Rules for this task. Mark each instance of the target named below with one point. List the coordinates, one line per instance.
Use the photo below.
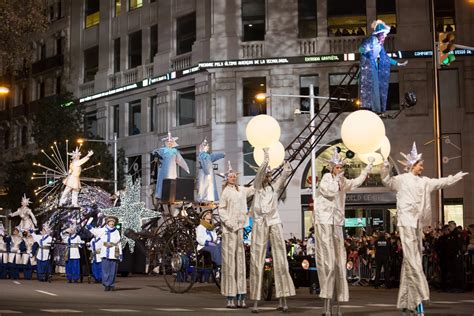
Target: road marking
(467, 301)
(119, 310)
(381, 305)
(173, 309)
(444, 302)
(61, 311)
(16, 282)
(351, 306)
(47, 293)
(8, 311)
(309, 307)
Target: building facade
(143, 68)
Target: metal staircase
(307, 139)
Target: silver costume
(233, 215)
(267, 227)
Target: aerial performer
(413, 213)
(73, 179)
(207, 189)
(169, 157)
(329, 215)
(375, 69)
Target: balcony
(47, 64)
(19, 110)
(337, 45)
(86, 89)
(252, 49)
(180, 62)
(130, 76)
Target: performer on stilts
(329, 215)
(73, 180)
(44, 241)
(233, 215)
(169, 157)
(267, 226)
(111, 251)
(73, 256)
(413, 213)
(207, 189)
(375, 64)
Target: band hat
(112, 218)
(204, 212)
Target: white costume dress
(28, 219)
(233, 215)
(329, 222)
(267, 226)
(413, 213)
(28, 257)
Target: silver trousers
(233, 274)
(331, 259)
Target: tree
(20, 19)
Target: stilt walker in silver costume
(267, 227)
(329, 222)
(413, 213)
(233, 215)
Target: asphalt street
(145, 295)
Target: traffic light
(446, 48)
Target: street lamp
(106, 141)
(4, 90)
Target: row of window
(18, 138)
(92, 10)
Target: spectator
(383, 250)
(455, 259)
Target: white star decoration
(131, 211)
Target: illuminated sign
(355, 222)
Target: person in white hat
(169, 157)
(413, 214)
(111, 249)
(44, 241)
(267, 227)
(73, 243)
(375, 69)
(207, 189)
(329, 215)
(28, 219)
(73, 180)
(233, 214)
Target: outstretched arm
(280, 182)
(441, 183)
(387, 180)
(351, 184)
(181, 162)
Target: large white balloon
(365, 158)
(263, 131)
(276, 153)
(362, 131)
(382, 153)
(385, 147)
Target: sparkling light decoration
(131, 210)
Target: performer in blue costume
(207, 190)
(44, 241)
(169, 158)
(375, 69)
(73, 257)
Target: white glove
(286, 166)
(386, 164)
(18, 251)
(90, 153)
(371, 164)
(402, 64)
(31, 255)
(458, 176)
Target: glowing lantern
(263, 131)
(276, 153)
(362, 131)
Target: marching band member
(95, 246)
(233, 215)
(268, 227)
(16, 245)
(413, 213)
(110, 251)
(3, 253)
(43, 254)
(73, 256)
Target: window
(60, 9)
(91, 63)
(117, 55)
(24, 136)
(253, 20)
(152, 113)
(40, 92)
(59, 45)
(51, 13)
(134, 4)
(185, 33)
(135, 49)
(186, 108)
(249, 162)
(189, 155)
(387, 11)
(6, 139)
(92, 11)
(135, 112)
(24, 95)
(445, 15)
(336, 81)
(116, 120)
(305, 82)
(41, 51)
(153, 41)
(307, 19)
(118, 7)
(453, 211)
(347, 17)
(90, 122)
(135, 167)
(250, 88)
(393, 98)
(57, 85)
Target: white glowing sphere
(362, 131)
(276, 154)
(385, 147)
(263, 131)
(365, 158)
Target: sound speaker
(180, 189)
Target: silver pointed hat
(411, 158)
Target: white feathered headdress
(25, 201)
(411, 158)
(335, 159)
(76, 153)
